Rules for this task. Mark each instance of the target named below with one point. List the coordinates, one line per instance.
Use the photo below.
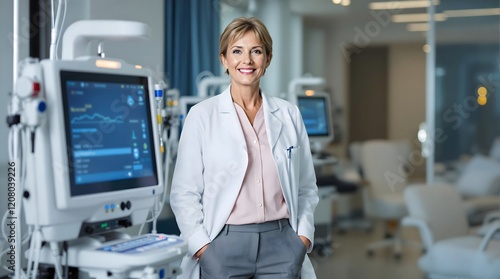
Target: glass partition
(467, 80)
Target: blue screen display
(314, 111)
(108, 132)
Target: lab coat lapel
(229, 118)
(274, 125)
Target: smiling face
(246, 60)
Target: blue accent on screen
(108, 132)
(102, 152)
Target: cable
(164, 194)
(60, 29)
(36, 239)
(31, 254)
(54, 247)
(22, 273)
(32, 167)
(17, 153)
(15, 150)
(32, 139)
(56, 28)
(38, 248)
(14, 143)
(4, 218)
(25, 238)
(35, 236)
(53, 22)
(66, 266)
(58, 15)
(53, 32)
(165, 133)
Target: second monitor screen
(314, 111)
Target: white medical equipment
(297, 83)
(317, 115)
(206, 80)
(89, 131)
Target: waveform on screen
(96, 117)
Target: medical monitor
(109, 134)
(98, 161)
(316, 113)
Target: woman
(244, 188)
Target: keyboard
(142, 244)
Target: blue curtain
(192, 29)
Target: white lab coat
(211, 164)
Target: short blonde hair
(239, 27)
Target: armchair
(451, 252)
(384, 171)
(479, 185)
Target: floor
(350, 260)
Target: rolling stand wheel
(323, 253)
(369, 253)
(322, 249)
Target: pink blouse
(261, 197)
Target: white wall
(406, 90)
(314, 51)
(407, 98)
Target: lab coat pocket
(293, 157)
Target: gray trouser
(269, 250)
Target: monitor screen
(315, 113)
(108, 130)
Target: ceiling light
(445, 15)
(417, 27)
(336, 1)
(482, 91)
(473, 12)
(417, 17)
(426, 48)
(110, 64)
(345, 3)
(396, 5)
(309, 92)
(482, 100)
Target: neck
(247, 97)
